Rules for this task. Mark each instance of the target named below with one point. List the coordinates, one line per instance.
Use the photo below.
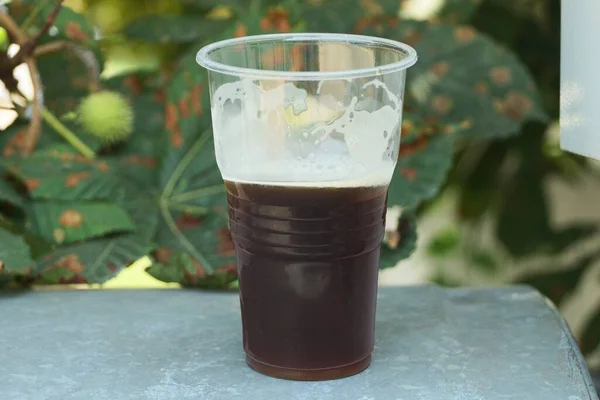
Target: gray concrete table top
(432, 344)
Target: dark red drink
(308, 259)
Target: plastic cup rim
(203, 57)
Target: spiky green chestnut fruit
(107, 116)
(4, 42)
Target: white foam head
(342, 135)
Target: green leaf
(400, 245)
(465, 78)
(94, 261)
(421, 170)
(66, 81)
(123, 181)
(183, 269)
(186, 115)
(140, 156)
(359, 15)
(174, 28)
(485, 261)
(98, 260)
(66, 223)
(57, 174)
(9, 194)
(479, 183)
(12, 140)
(534, 36)
(444, 242)
(193, 235)
(148, 139)
(192, 208)
(15, 256)
(524, 215)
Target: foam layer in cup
(282, 136)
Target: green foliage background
(485, 90)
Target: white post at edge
(580, 77)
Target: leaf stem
(35, 126)
(12, 28)
(29, 46)
(185, 243)
(183, 164)
(182, 197)
(66, 134)
(33, 15)
(168, 191)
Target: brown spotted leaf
(94, 261)
(400, 244)
(358, 15)
(12, 140)
(59, 174)
(63, 179)
(178, 267)
(103, 258)
(193, 218)
(64, 223)
(192, 206)
(465, 78)
(423, 163)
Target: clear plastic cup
(307, 134)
